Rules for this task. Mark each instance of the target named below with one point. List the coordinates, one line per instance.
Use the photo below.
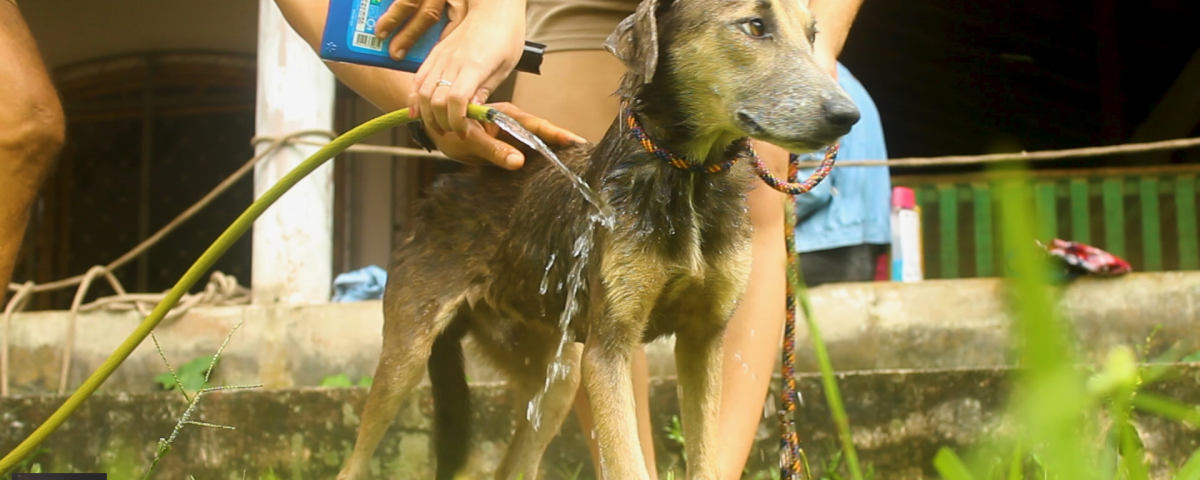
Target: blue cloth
(853, 205)
(363, 284)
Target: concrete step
(881, 325)
(899, 419)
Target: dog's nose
(841, 113)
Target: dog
(500, 255)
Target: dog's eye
(754, 28)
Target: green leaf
(1015, 467)
(191, 375)
(1190, 469)
(950, 467)
(364, 381)
(339, 380)
(1167, 408)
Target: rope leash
(790, 454)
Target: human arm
(479, 48)
(32, 131)
(834, 18)
(810, 202)
(389, 90)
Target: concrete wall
(934, 324)
(69, 31)
(899, 420)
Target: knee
(35, 131)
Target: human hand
(420, 15)
(479, 143)
(468, 64)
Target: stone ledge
(899, 419)
(932, 324)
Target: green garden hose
(205, 262)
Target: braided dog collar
(676, 160)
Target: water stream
(580, 253)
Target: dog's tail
(451, 402)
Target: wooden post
(293, 240)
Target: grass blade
(950, 467)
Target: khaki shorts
(574, 24)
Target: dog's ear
(635, 41)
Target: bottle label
(350, 36)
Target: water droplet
(546, 276)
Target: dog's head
(737, 67)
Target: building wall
(69, 31)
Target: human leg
(31, 131)
(752, 337)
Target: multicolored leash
(790, 459)
(790, 456)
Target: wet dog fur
(702, 74)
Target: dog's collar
(675, 160)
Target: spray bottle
(349, 37)
(907, 264)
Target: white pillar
(293, 240)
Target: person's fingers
(493, 149)
(440, 97)
(480, 146)
(466, 86)
(425, 16)
(432, 66)
(456, 11)
(425, 93)
(395, 15)
(544, 129)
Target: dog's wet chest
(688, 227)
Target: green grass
(1064, 420)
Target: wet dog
(511, 257)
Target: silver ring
(443, 83)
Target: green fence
(1146, 216)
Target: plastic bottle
(907, 262)
(349, 37)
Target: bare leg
(575, 91)
(31, 132)
(752, 338)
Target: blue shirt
(853, 205)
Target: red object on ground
(1087, 258)
(883, 268)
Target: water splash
(514, 128)
(580, 253)
(559, 369)
(546, 276)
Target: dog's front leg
(524, 454)
(606, 372)
(698, 354)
